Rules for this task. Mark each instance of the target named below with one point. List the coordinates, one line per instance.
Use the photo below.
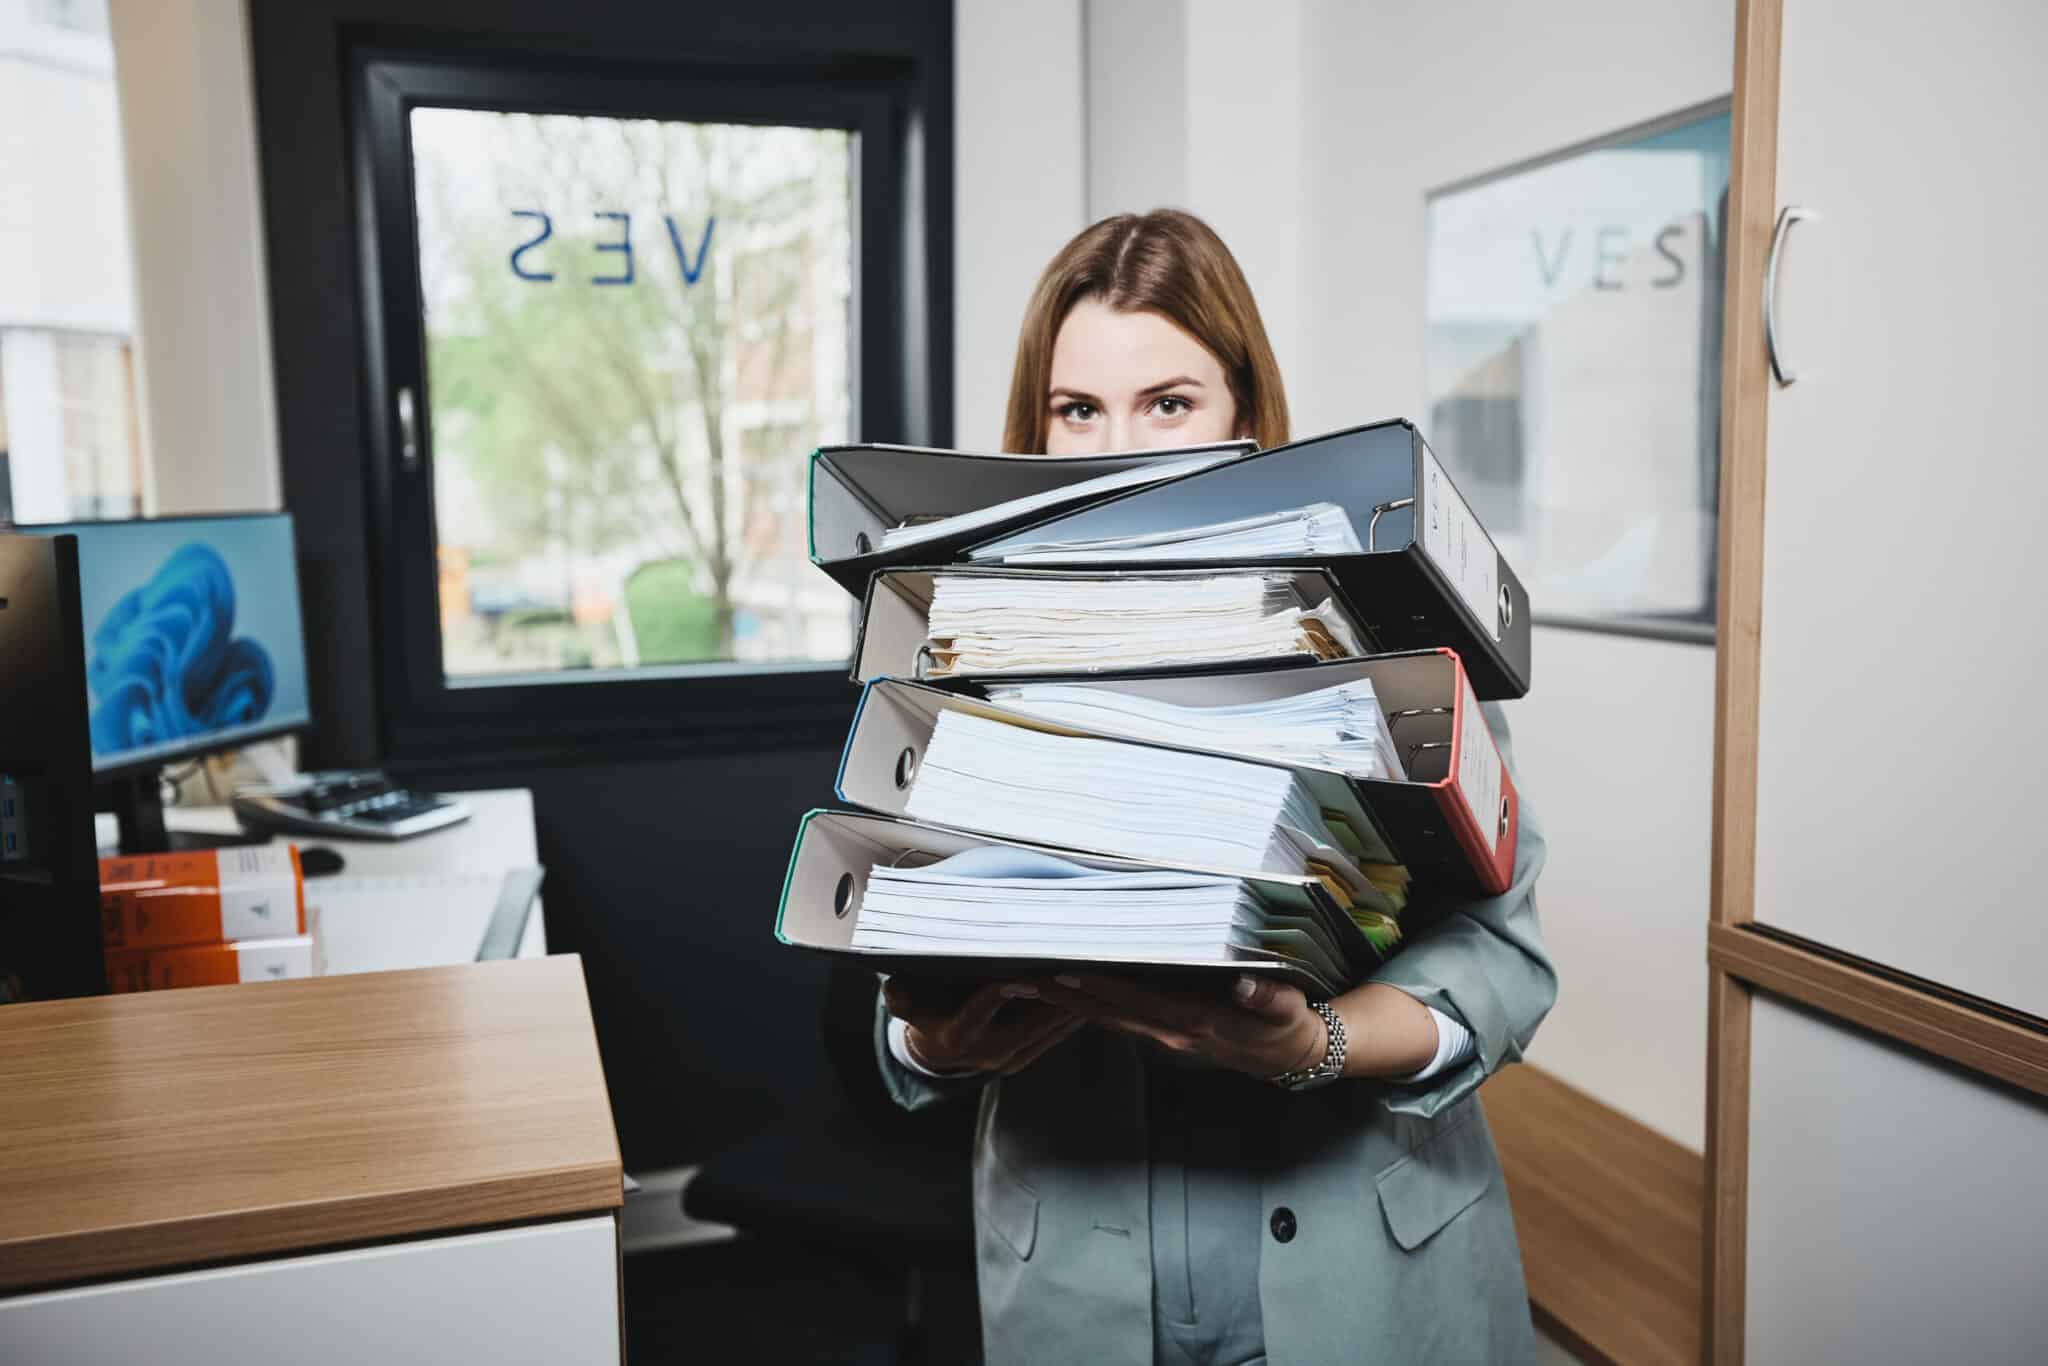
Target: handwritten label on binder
(1452, 537)
(1478, 768)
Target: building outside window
(70, 440)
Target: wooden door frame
(1744, 957)
(1745, 412)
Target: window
(70, 445)
(637, 331)
(1574, 359)
(614, 309)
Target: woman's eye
(1078, 412)
(1171, 406)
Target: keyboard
(345, 804)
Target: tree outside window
(637, 331)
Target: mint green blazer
(1404, 1248)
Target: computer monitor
(193, 644)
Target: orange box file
(208, 896)
(211, 965)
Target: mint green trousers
(1207, 1226)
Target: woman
(1144, 1190)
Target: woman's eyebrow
(1177, 382)
(1059, 389)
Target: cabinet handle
(408, 432)
(1787, 216)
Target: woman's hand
(998, 1030)
(1264, 1029)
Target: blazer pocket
(1439, 1179)
(1006, 1205)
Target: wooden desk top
(159, 1130)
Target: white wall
(188, 126)
(1019, 181)
(1196, 104)
(1137, 62)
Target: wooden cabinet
(1904, 636)
(392, 1167)
(1878, 1016)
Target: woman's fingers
(1114, 996)
(976, 1013)
(1269, 997)
(981, 1035)
(1062, 1029)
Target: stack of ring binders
(1415, 611)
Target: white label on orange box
(1478, 768)
(274, 960)
(259, 896)
(1452, 537)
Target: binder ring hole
(861, 544)
(1507, 608)
(906, 768)
(1503, 816)
(842, 896)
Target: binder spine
(1478, 797)
(796, 854)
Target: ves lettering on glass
(621, 245)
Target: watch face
(1312, 1082)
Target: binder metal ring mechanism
(1429, 575)
(1451, 821)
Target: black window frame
(900, 309)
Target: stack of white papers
(997, 624)
(1129, 800)
(1087, 490)
(1004, 902)
(1318, 530)
(1339, 728)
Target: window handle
(408, 431)
(1787, 216)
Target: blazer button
(1283, 1225)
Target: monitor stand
(137, 802)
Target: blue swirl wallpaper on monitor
(193, 635)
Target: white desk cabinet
(546, 1294)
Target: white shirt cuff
(899, 1049)
(1453, 1046)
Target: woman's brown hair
(1166, 262)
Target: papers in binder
(996, 624)
(1341, 728)
(1134, 801)
(919, 530)
(1006, 902)
(1320, 529)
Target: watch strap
(1331, 1066)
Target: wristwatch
(1332, 1065)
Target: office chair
(864, 1176)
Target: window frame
(895, 311)
(1695, 627)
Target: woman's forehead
(1099, 348)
